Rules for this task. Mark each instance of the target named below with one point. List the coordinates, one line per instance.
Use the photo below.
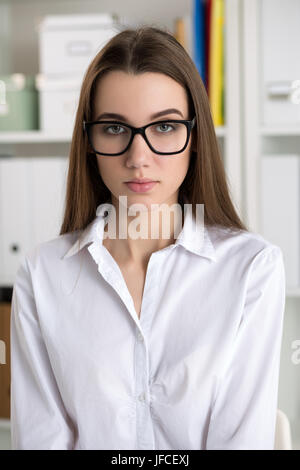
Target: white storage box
(58, 102)
(68, 43)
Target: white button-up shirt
(198, 370)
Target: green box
(18, 103)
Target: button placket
(144, 426)
(145, 432)
(140, 337)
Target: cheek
(107, 169)
(174, 171)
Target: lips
(141, 187)
(140, 181)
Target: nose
(138, 153)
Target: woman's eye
(114, 127)
(164, 126)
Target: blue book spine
(199, 36)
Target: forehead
(145, 93)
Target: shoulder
(249, 262)
(242, 245)
(48, 253)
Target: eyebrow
(154, 116)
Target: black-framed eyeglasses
(172, 138)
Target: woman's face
(137, 98)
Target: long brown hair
(135, 51)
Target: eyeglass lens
(110, 138)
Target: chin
(145, 202)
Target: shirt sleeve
(38, 418)
(244, 412)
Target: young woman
(120, 342)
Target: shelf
(32, 137)
(280, 131)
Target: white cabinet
(280, 36)
(32, 192)
(277, 206)
(48, 180)
(271, 128)
(14, 215)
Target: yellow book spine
(180, 32)
(216, 74)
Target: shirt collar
(194, 236)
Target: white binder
(280, 209)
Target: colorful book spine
(180, 32)
(199, 37)
(207, 41)
(216, 62)
(202, 35)
(183, 33)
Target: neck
(138, 236)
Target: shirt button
(140, 337)
(142, 397)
